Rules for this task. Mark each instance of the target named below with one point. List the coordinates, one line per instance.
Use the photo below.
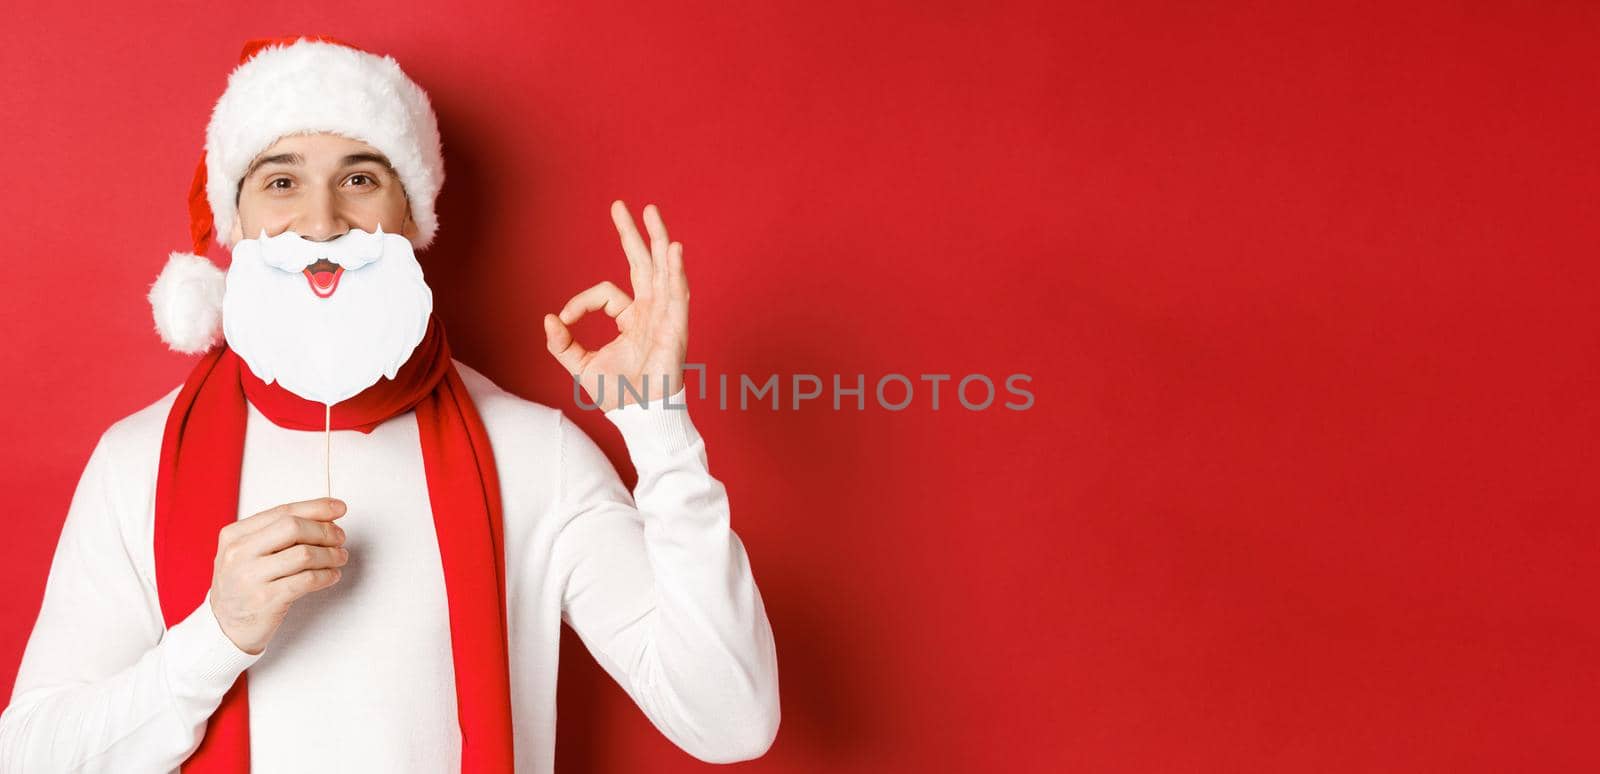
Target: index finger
(317, 509)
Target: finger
(658, 234)
(633, 246)
(320, 509)
(605, 295)
(302, 583)
(299, 557)
(560, 342)
(660, 282)
(678, 281)
(289, 531)
(678, 289)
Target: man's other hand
(269, 560)
(652, 326)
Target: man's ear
(235, 231)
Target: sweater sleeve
(660, 590)
(103, 685)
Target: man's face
(315, 297)
(321, 186)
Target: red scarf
(197, 494)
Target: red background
(1307, 296)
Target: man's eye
(362, 176)
(273, 183)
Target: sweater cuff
(660, 425)
(201, 662)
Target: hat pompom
(186, 300)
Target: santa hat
(286, 86)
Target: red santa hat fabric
(283, 86)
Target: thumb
(559, 340)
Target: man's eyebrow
(278, 158)
(298, 160)
(357, 158)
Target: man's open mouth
(324, 277)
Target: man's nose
(322, 220)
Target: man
(203, 611)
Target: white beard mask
(325, 335)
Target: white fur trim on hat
(314, 86)
(186, 300)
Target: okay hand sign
(652, 326)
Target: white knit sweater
(359, 677)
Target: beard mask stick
(325, 320)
